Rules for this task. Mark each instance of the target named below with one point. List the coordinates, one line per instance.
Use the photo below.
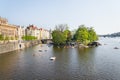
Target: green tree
(58, 37)
(1, 37)
(81, 34)
(85, 35)
(6, 38)
(61, 34)
(92, 35)
(61, 27)
(12, 38)
(29, 38)
(68, 35)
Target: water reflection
(100, 63)
(86, 59)
(74, 61)
(8, 64)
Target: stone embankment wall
(11, 46)
(31, 43)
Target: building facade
(44, 34)
(7, 30)
(39, 33)
(32, 30)
(21, 32)
(17, 32)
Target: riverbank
(12, 46)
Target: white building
(20, 32)
(44, 34)
(39, 33)
(33, 31)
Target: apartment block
(7, 30)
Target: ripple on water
(100, 63)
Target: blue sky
(103, 15)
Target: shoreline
(12, 46)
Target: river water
(99, 63)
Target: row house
(33, 31)
(39, 33)
(21, 32)
(7, 30)
(16, 32)
(44, 34)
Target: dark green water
(100, 63)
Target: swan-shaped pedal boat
(52, 58)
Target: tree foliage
(92, 35)
(11, 38)
(81, 34)
(6, 38)
(85, 34)
(61, 27)
(61, 34)
(29, 38)
(58, 37)
(1, 37)
(68, 35)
